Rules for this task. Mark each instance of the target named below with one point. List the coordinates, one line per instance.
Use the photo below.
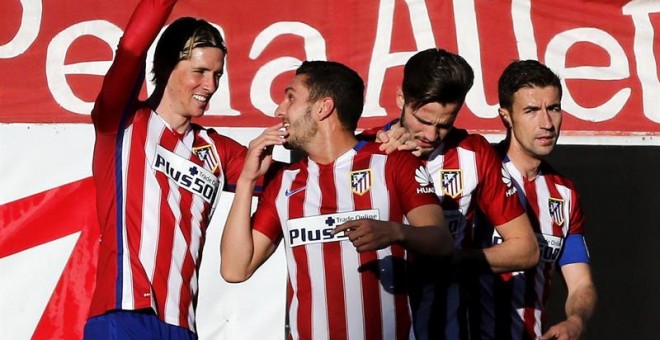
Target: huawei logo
(423, 177)
(506, 178)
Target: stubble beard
(303, 131)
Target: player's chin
(545, 150)
(197, 112)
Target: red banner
(53, 54)
(41, 219)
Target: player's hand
(259, 155)
(396, 138)
(369, 235)
(568, 329)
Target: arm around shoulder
(518, 251)
(427, 233)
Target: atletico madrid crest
(208, 155)
(361, 181)
(452, 182)
(556, 208)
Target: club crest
(208, 155)
(361, 181)
(556, 209)
(452, 182)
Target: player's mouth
(200, 98)
(425, 144)
(547, 139)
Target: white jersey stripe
(127, 300)
(283, 201)
(468, 161)
(387, 303)
(380, 198)
(350, 259)
(568, 203)
(152, 193)
(315, 257)
(178, 250)
(542, 195)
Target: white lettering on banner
(556, 60)
(523, 29)
(27, 32)
(314, 44)
(469, 47)
(318, 229)
(647, 65)
(382, 59)
(56, 70)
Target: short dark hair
(177, 43)
(339, 82)
(435, 75)
(524, 74)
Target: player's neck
(527, 164)
(177, 122)
(329, 143)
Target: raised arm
(243, 249)
(126, 74)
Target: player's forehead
(202, 60)
(536, 96)
(436, 113)
(298, 86)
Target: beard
(301, 131)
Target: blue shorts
(128, 324)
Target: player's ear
(505, 115)
(325, 108)
(400, 101)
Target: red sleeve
(232, 156)
(125, 77)
(412, 182)
(265, 219)
(498, 202)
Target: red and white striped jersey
(156, 188)
(468, 176)
(467, 172)
(337, 292)
(512, 305)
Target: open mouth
(200, 98)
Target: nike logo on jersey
(289, 193)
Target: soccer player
(158, 176)
(511, 306)
(468, 176)
(339, 211)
